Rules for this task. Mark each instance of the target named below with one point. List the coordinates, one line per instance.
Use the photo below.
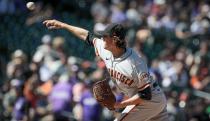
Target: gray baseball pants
(148, 110)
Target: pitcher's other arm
(144, 94)
(134, 100)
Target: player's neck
(118, 52)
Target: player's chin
(105, 47)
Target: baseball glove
(103, 94)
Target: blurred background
(47, 75)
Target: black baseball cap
(113, 29)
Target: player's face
(108, 43)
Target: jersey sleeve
(90, 38)
(98, 45)
(143, 76)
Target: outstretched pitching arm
(77, 31)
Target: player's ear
(116, 39)
(118, 42)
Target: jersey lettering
(129, 82)
(119, 76)
(144, 77)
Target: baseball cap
(113, 29)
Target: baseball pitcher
(128, 71)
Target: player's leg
(143, 114)
(163, 116)
(125, 112)
(145, 111)
(135, 115)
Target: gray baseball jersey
(130, 74)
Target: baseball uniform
(130, 74)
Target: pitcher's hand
(53, 24)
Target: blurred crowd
(51, 86)
(171, 35)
